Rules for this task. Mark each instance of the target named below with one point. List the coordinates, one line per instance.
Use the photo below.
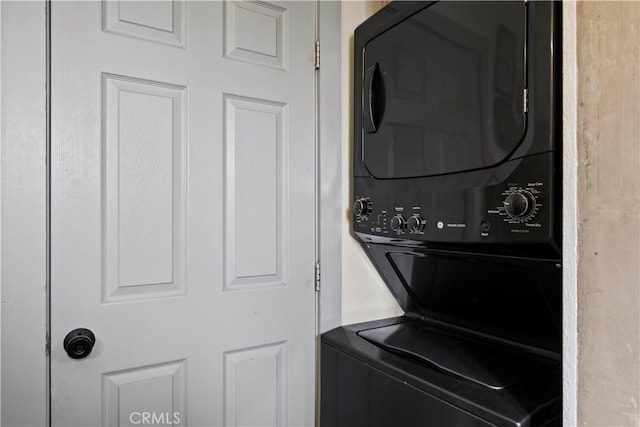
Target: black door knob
(79, 343)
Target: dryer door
(443, 90)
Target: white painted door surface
(182, 212)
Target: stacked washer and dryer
(457, 203)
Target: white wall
(24, 207)
(364, 294)
(330, 152)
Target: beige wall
(608, 48)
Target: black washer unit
(457, 202)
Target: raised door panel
(256, 32)
(143, 194)
(255, 196)
(159, 21)
(255, 386)
(148, 395)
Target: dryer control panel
(516, 209)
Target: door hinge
(316, 56)
(317, 276)
(525, 100)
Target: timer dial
(398, 223)
(361, 208)
(519, 204)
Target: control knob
(415, 223)
(361, 208)
(398, 223)
(519, 204)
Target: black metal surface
(366, 385)
(453, 85)
(457, 184)
(512, 298)
(483, 362)
(456, 215)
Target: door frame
(23, 227)
(24, 200)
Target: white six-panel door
(182, 212)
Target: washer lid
(483, 362)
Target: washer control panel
(513, 203)
(513, 211)
(396, 221)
